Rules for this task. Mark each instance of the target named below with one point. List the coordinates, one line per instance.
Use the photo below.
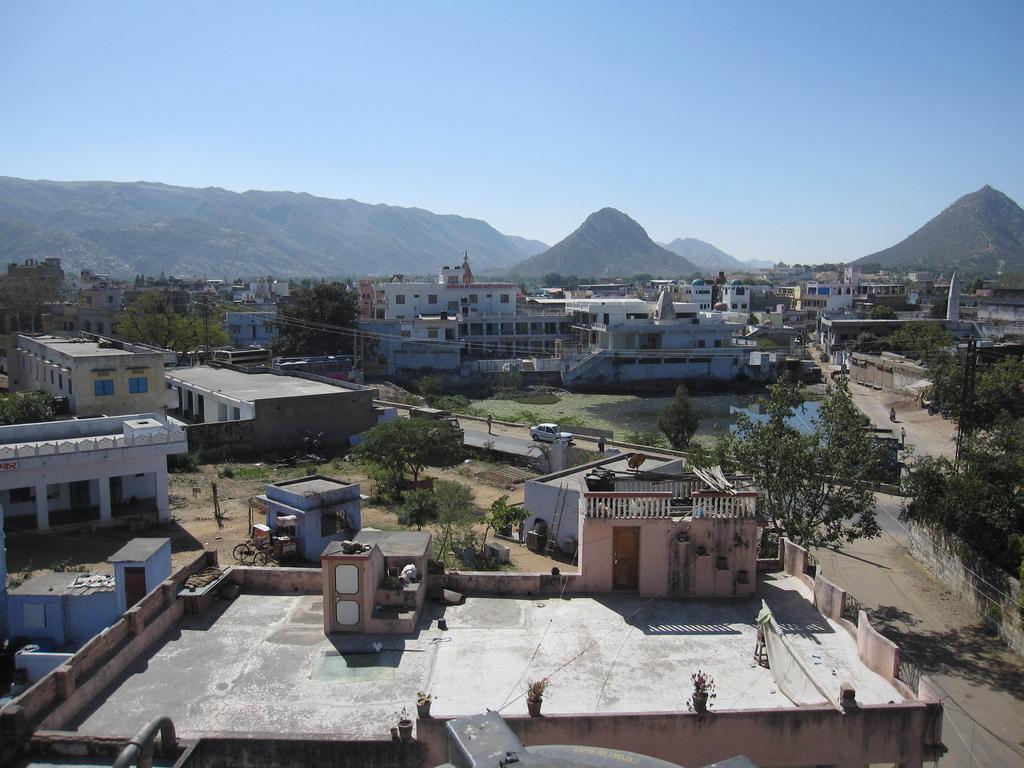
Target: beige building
(98, 377)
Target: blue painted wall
(158, 569)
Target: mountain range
(980, 234)
(607, 244)
(709, 258)
(127, 228)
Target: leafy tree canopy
(679, 419)
(410, 445)
(317, 311)
(882, 312)
(983, 503)
(25, 408)
(418, 508)
(816, 487)
(151, 319)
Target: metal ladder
(556, 519)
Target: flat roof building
(258, 410)
(98, 377)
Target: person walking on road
(600, 444)
(903, 436)
(490, 420)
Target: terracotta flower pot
(423, 708)
(405, 729)
(533, 706)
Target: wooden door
(625, 557)
(134, 585)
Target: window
(60, 382)
(110, 299)
(431, 298)
(138, 385)
(21, 495)
(103, 387)
(473, 298)
(432, 333)
(405, 334)
(504, 298)
(400, 298)
(99, 327)
(51, 376)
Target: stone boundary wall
(972, 578)
(907, 733)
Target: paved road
(477, 437)
(982, 681)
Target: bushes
(183, 462)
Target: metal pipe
(139, 750)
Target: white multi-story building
(453, 293)
(636, 340)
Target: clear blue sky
(801, 131)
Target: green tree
(418, 508)
(151, 319)
(26, 408)
(456, 517)
(937, 308)
(983, 503)
(816, 487)
(679, 419)
(430, 385)
(882, 312)
(410, 445)
(314, 316)
(24, 299)
(501, 516)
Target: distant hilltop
(146, 228)
(980, 234)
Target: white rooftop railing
(82, 444)
(608, 505)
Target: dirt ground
(194, 527)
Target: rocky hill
(981, 234)
(709, 258)
(608, 244)
(141, 227)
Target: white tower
(953, 302)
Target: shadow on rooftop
(682, 617)
(793, 613)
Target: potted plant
(703, 692)
(423, 704)
(404, 725)
(535, 695)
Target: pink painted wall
(879, 653)
(891, 733)
(696, 575)
(597, 564)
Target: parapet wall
(59, 696)
(304, 581)
(504, 583)
(906, 734)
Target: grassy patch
(537, 398)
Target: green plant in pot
(423, 701)
(703, 692)
(535, 695)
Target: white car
(548, 433)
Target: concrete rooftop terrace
(262, 663)
(250, 386)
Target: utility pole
(206, 324)
(966, 399)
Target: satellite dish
(636, 460)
